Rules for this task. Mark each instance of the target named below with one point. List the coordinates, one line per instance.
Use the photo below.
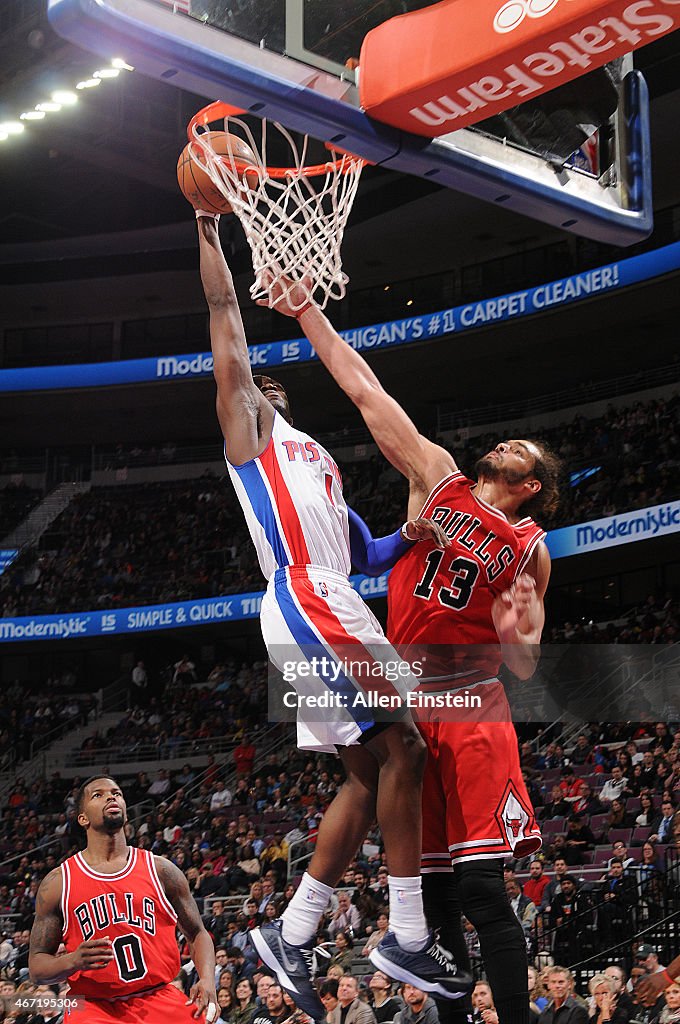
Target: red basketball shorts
(163, 1006)
(475, 802)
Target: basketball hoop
(294, 217)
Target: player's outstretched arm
(375, 555)
(421, 461)
(45, 965)
(245, 416)
(176, 887)
(519, 615)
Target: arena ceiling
(92, 195)
(108, 164)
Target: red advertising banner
(448, 66)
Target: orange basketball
(196, 185)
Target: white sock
(407, 917)
(301, 918)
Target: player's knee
(401, 749)
(482, 893)
(415, 750)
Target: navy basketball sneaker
(431, 968)
(292, 965)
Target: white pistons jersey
(292, 498)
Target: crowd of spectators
(16, 501)
(247, 994)
(655, 621)
(30, 720)
(632, 451)
(608, 867)
(185, 717)
(140, 544)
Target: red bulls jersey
(445, 597)
(130, 908)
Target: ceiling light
(32, 115)
(119, 63)
(107, 73)
(11, 127)
(48, 107)
(3, 136)
(65, 97)
(89, 83)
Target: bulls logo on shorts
(513, 816)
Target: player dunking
(116, 909)
(291, 493)
(488, 586)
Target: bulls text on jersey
(467, 530)
(99, 913)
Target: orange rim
(219, 110)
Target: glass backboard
(296, 61)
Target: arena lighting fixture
(65, 97)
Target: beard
(114, 822)
(490, 470)
(282, 407)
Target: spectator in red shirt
(244, 756)
(587, 802)
(537, 883)
(569, 785)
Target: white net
(294, 218)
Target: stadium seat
(601, 855)
(597, 823)
(619, 835)
(553, 826)
(640, 835)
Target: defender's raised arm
(423, 463)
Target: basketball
(196, 185)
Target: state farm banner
(442, 68)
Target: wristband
(303, 310)
(671, 981)
(404, 533)
(209, 214)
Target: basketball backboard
(295, 61)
